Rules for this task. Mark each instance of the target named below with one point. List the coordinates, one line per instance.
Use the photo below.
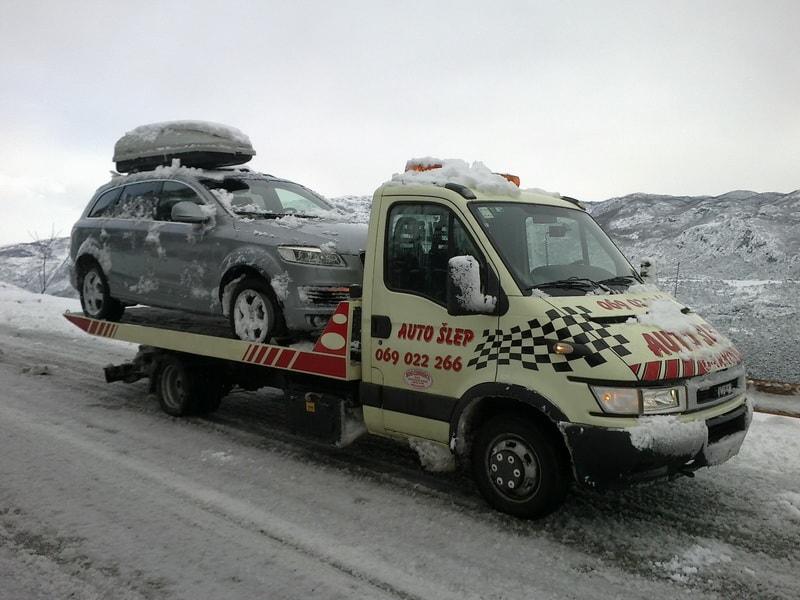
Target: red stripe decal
(248, 354)
(81, 322)
(652, 371)
(269, 359)
(285, 359)
(258, 356)
(325, 364)
(689, 369)
(673, 369)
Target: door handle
(380, 326)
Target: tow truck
(495, 328)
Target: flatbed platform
(333, 354)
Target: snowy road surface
(104, 496)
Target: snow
(152, 131)
(475, 176)
(666, 434)
(104, 496)
(467, 278)
(666, 314)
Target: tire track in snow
(243, 515)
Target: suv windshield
(253, 197)
(560, 251)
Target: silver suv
(271, 255)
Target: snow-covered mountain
(733, 258)
(739, 235)
(24, 265)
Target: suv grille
(323, 296)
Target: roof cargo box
(195, 143)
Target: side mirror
(464, 296)
(647, 271)
(188, 212)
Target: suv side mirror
(188, 212)
(464, 296)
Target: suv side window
(105, 203)
(173, 192)
(137, 201)
(420, 239)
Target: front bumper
(658, 448)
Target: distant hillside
(734, 258)
(21, 265)
(739, 235)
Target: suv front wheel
(254, 311)
(96, 300)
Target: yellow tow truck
(495, 327)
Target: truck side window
(420, 239)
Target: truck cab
(505, 328)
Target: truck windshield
(560, 251)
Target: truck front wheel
(518, 469)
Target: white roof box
(195, 143)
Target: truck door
(420, 352)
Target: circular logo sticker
(417, 378)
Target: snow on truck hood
(652, 333)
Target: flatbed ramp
(333, 354)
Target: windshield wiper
(620, 280)
(573, 283)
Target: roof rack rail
(463, 190)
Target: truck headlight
(639, 401)
(310, 255)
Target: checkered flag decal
(528, 346)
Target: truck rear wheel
(96, 300)
(518, 469)
(177, 387)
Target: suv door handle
(380, 326)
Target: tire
(254, 312)
(210, 393)
(518, 469)
(96, 300)
(177, 387)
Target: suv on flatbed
(270, 254)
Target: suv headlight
(640, 401)
(310, 255)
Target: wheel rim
(513, 468)
(172, 390)
(252, 316)
(93, 292)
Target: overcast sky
(593, 99)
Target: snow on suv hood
(338, 236)
(674, 341)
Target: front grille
(323, 296)
(709, 390)
(717, 392)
